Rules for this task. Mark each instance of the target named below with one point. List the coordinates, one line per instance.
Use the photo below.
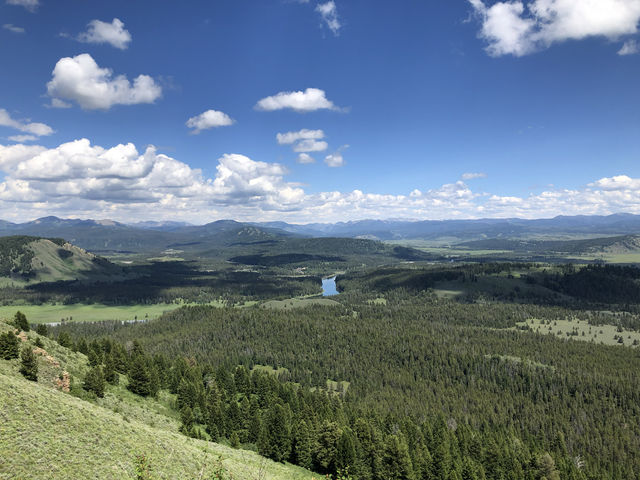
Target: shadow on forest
(171, 281)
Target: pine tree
(547, 467)
(20, 321)
(396, 460)
(346, 451)
(41, 329)
(234, 440)
(82, 347)
(64, 340)
(29, 364)
(213, 414)
(94, 359)
(120, 359)
(278, 428)
(186, 394)
(326, 449)
(9, 346)
(139, 378)
(303, 446)
(110, 374)
(254, 423)
(154, 380)
(94, 381)
(186, 416)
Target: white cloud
(334, 160)
(79, 175)
(304, 141)
(304, 134)
(305, 158)
(209, 119)
(516, 28)
(81, 80)
(472, 175)
(310, 145)
(630, 47)
(83, 180)
(31, 128)
(13, 28)
(22, 138)
(329, 14)
(308, 101)
(112, 33)
(31, 5)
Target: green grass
(299, 303)
(48, 313)
(513, 359)
(378, 301)
(48, 434)
(598, 334)
(633, 257)
(270, 370)
(86, 313)
(441, 247)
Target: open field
(48, 313)
(86, 313)
(299, 303)
(581, 330)
(631, 257)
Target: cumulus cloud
(33, 129)
(472, 175)
(84, 180)
(310, 100)
(329, 14)
(209, 119)
(304, 141)
(518, 28)
(305, 158)
(630, 47)
(81, 80)
(31, 5)
(304, 134)
(13, 28)
(334, 160)
(101, 32)
(310, 145)
(78, 173)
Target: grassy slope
(48, 265)
(48, 434)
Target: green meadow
(583, 331)
(86, 313)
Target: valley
(399, 348)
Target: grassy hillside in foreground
(49, 434)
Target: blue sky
(423, 110)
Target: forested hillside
(64, 417)
(495, 395)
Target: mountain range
(112, 236)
